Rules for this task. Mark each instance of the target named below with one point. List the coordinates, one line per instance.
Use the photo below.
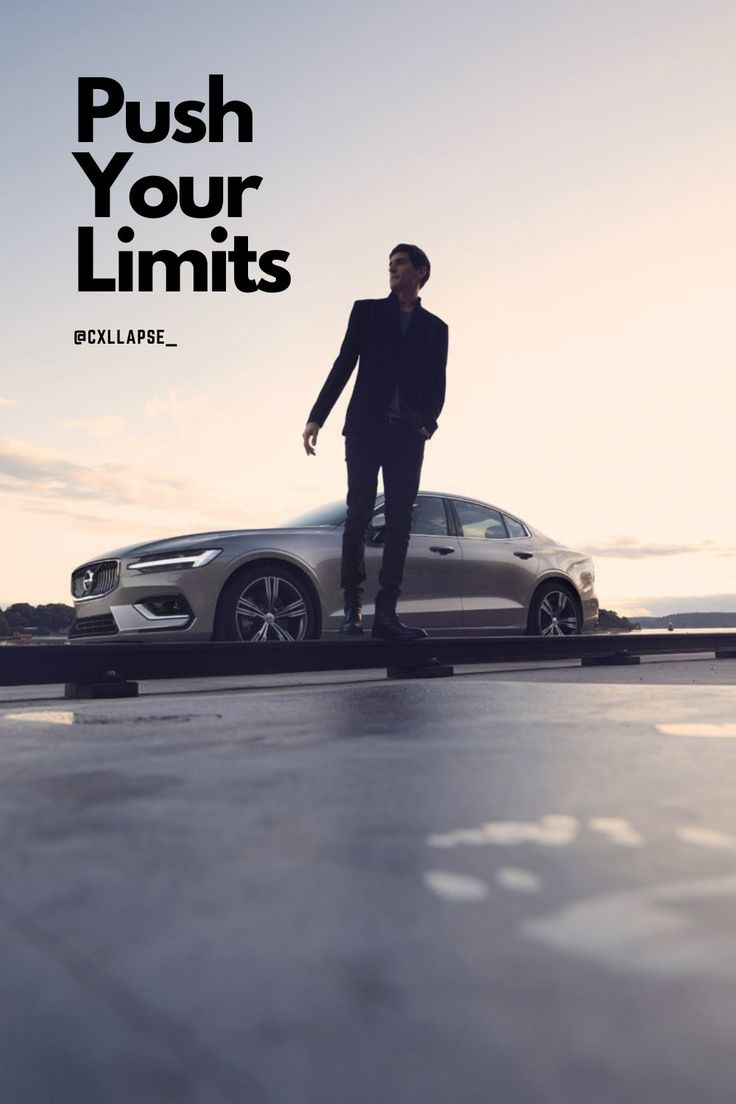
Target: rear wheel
(265, 603)
(553, 611)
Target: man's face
(402, 275)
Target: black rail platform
(91, 670)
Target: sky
(569, 167)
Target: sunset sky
(569, 167)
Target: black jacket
(417, 362)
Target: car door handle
(441, 548)
(524, 555)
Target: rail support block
(620, 659)
(726, 653)
(114, 688)
(429, 668)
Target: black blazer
(416, 362)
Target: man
(398, 395)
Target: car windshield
(331, 514)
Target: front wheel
(553, 612)
(265, 603)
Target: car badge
(87, 580)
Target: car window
(480, 522)
(515, 528)
(429, 516)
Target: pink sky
(570, 171)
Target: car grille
(92, 580)
(103, 625)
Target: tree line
(53, 618)
(612, 621)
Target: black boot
(386, 625)
(353, 624)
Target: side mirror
(376, 528)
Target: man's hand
(310, 437)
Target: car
(471, 569)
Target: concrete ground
(516, 885)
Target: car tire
(554, 611)
(265, 603)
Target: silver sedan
(471, 568)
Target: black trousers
(399, 450)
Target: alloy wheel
(270, 608)
(557, 615)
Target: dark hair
(417, 257)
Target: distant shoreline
(688, 621)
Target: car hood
(204, 540)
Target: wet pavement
(514, 885)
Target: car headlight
(174, 561)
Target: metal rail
(99, 663)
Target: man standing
(398, 395)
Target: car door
(430, 591)
(499, 571)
